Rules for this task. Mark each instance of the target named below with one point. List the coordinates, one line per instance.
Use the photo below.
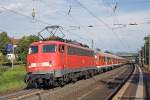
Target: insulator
(69, 11)
(33, 13)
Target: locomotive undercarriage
(49, 80)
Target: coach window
(105, 59)
(102, 60)
(108, 59)
(61, 48)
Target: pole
(92, 44)
(13, 54)
(145, 54)
(149, 51)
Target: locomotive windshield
(33, 49)
(49, 48)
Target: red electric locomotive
(54, 62)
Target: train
(55, 63)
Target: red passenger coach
(54, 62)
(106, 61)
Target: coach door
(63, 56)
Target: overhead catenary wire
(115, 8)
(101, 21)
(84, 28)
(109, 2)
(69, 11)
(26, 16)
(76, 22)
(104, 24)
(70, 17)
(91, 13)
(73, 20)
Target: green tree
(4, 39)
(22, 48)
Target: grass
(12, 79)
(3, 69)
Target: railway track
(110, 85)
(71, 90)
(121, 85)
(134, 88)
(27, 93)
(20, 94)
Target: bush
(12, 79)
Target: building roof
(14, 41)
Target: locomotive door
(62, 50)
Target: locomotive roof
(59, 42)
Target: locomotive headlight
(31, 64)
(47, 64)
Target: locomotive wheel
(74, 78)
(47, 85)
(61, 82)
(56, 84)
(66, 78)
(32, 85)
(86, 75)
(91, 73)
(104, 70)
(35, 85)
(29, 86)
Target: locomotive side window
(33, 49)
(80, 52)
(49, 48)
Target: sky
(112, 29)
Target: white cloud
(13, 6)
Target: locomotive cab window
(33, 49)
(61, 48)
(49, 48)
